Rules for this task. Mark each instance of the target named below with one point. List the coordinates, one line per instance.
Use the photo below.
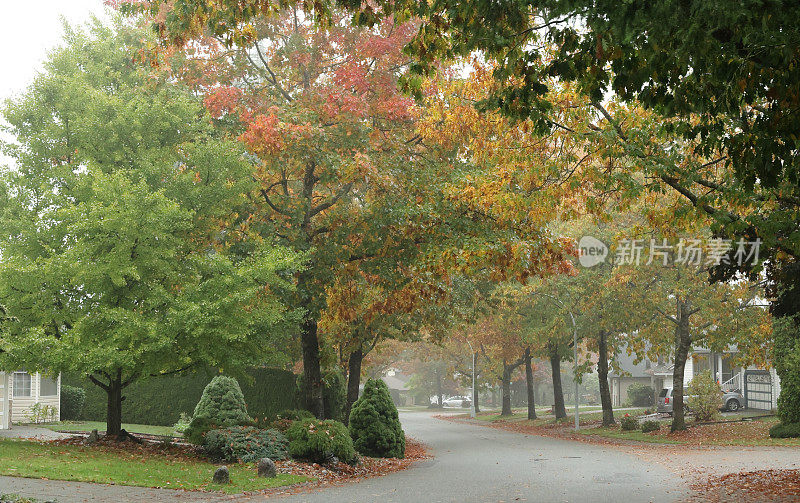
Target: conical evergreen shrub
(222, 405)
(375, 425)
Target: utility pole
(474, 392)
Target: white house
(21, 391)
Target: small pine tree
(375, 424)
(222, 405)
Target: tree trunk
(114, 405)
(602, 374)
(506, 383)
(558, 392)
(439, 388)
(353, 381)
(529, 385)
(311, 366)
(683, 342)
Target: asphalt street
(479, 464)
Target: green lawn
(636, 435)
(91, 464)
(731, 433)
(521, 416)
(100, 426)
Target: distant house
(626, 374)
(20, 391)
(397, 383)
(760, 387)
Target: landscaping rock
(222, 476)
(93, 437)
(266, 468)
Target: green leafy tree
(375, 425)
(117, 220)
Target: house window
(47, 386)
(22, 384)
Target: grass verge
(100, 426)
(87, 464)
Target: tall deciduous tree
(115, 225)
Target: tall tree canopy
(116, 226)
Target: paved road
(479, 464)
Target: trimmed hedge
(785, 430)
(375, 425)
(246, 444)
(160, 400)
(72, 401)
(314, 440)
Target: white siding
(4, 403)
(688, 371)
(776, 388)
(21, 406)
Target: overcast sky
(28, 29)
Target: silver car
(730, 400)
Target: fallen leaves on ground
(773, 486)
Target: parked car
(731, 400)
(457, 401)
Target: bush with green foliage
(334, 393)
(787, 365)
(374, 423)
(161, 400)
(295, 414)
(72, 401)
(785, 430)
(628, 423)
(246, 444)
(641, 395)
(222, 405)
(183, 423)
(648, 426)
(317, 441)
(705, 397)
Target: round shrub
(72, 401)
(641, 395)
(785, 430)
(628, 423)
(649, 426)
(246, 444)
(374, 423)
(334, 393)
(705, 397)
(221, 405)
(317, 441)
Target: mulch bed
(772, 486)
(328, 474)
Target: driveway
(479, 464)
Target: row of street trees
(301, 205)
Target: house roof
(627, 368)
(396, 381)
